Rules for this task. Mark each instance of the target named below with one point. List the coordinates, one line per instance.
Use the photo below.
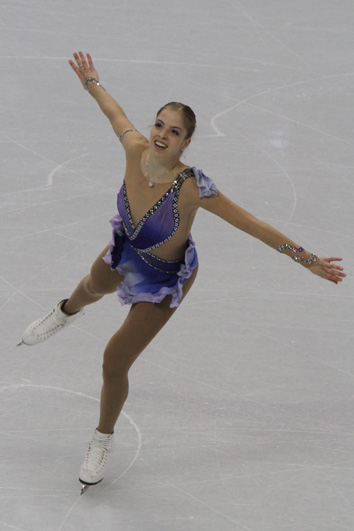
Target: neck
(159, 173)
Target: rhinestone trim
(308, 261)
(175, 188)
(163, 260)
(141, 253)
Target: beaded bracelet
(308, 261)
(92, 80)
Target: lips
(160, 145)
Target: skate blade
(83, 488)
(19, 344)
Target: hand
(325, 269)
(84, 68)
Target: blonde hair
(189, 118)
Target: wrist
(298, 254)
(91, 83)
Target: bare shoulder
(190, 191)
(193, 190)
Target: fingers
(81, 62)
(335, 278)
(336, 268)
(82, 66)
(89, 58)
(334, 274)
(77, 59)
(327, 262)
(328, 270)
(333, 259)
(75, 68)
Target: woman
(151, 261)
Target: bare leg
(101, 281)
(142, 324)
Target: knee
(101, 282)
(114, 370)
(93, 287)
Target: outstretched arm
(243, 220)
(88, 75)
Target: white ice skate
(98, 452)
(48, 325)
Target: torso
(142, 197)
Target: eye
(158, 125)
(175, 132)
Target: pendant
(151, 184)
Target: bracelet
(91, 80)
(125, 132)
(286, 246)
(307, 261)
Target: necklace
(150, 182)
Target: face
(168, 134)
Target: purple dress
(148, 278)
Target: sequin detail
(153, 257)
(148, 278)
(175, 189)
(286, 246)
(308, 261)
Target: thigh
(102, 278)
(141, 325)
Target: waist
(161, 264)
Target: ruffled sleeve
(206, 186)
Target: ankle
(67, 310)
(103, 431)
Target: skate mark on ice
(258, 26)
(248, 100)
(282, 170)
(9, 526)
(83, 395)
(199, 500)
(59, 167)
(140, 442)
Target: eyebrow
(172, 126)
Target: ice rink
(240, 413)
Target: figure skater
(151, 261)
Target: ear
(186, 143)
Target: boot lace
(96, 454)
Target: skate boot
(98, 451)
(48, 325)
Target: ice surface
(240, 415)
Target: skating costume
(148, 278)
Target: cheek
(177, 144)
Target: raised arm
(122, 126)
(243, 220)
